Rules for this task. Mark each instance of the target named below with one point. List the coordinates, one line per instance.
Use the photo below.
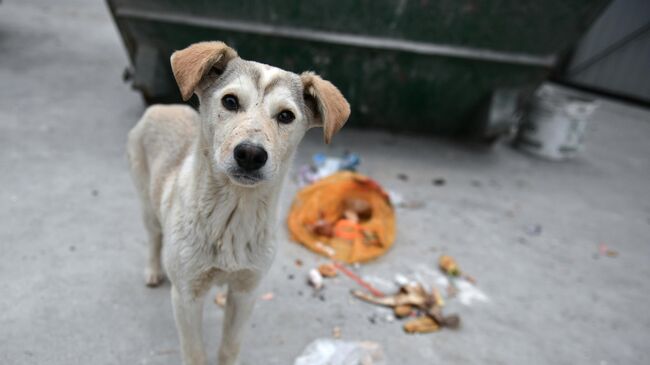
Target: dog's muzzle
(250, 159)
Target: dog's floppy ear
(193, 63)
(330, 108)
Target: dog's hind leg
(140, 175)
(153, 273)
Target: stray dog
(209, 181)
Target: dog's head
(254, 115)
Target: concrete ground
(72, 247)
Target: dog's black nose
(250, 157)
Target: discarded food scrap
(402, 311)
(423, 324)
(413, 298)
(448, 265)
(327, 270)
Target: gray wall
(614, 55)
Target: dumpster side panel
(428, 73)
(535, 27)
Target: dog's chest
(241, 238)
(236, 242)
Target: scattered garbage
(426, 277)
(324, 249)
(267, 296)
(345, 216)
(349, 218)
(322, 227)
(413, 298)
(448, 265)
(605, 251)
(422, 324)
(327, 351)
(323, 166)
(374, 284)
(315, 279)
(328, 270)
(418, 290)
(456, 279)
(358, 279)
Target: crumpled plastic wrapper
(317, 218)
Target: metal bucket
(554, 125)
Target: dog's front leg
(239, 306)
(188, 311)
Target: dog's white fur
(216, 225)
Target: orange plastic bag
(325, 202)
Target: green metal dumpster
(419, 66)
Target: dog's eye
(285, 117)
(230, 102)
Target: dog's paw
(153, 277)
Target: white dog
(209, 181)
